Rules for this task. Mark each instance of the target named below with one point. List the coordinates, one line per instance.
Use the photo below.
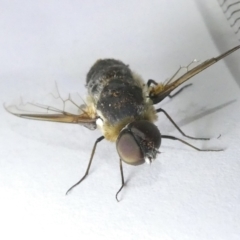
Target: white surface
(185, 194)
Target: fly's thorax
(112, 131)
(119, 100)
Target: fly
(120, 104)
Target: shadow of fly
(121, 105)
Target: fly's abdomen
(115, 91)
(104, 71)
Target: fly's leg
(176, 93)
(151, 81)
(89, 164)
(178, 128)
(190, 145)
(168, 81)
(122, 178)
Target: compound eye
(147, 133)
(128, 149)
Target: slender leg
(89, 164)
(176, 126)
(151, 81)
(190, 145)
(122, 178)
(176, 93)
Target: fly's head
(138, 142)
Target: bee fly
(121, 106)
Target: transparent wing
(79, 114)
(162, 90)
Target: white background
(184, 194)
